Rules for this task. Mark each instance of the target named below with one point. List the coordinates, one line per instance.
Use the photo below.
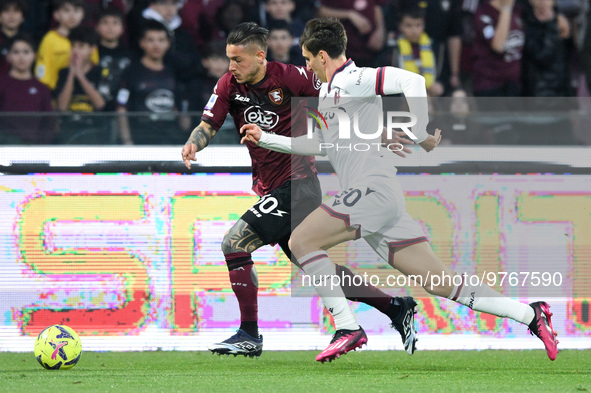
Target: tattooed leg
(241, 238)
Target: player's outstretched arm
(199, 139)
(432, 141)
(301, 145)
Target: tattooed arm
(200, 137)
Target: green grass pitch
(297, 371)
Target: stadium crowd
(164, 57)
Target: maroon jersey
(491, 70)
(28, 95)
(268, 105)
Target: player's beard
(250, 76)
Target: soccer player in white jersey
(371, 204)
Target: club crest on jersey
(276, 96)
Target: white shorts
(378, 212)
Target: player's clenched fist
(251, 132)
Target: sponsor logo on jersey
(211, 101)
(360, 76)
(267, 120)
(241, 98)
(160, 101)
(276, 96)
(337, 95)
(207, 113)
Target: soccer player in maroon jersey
(259, 92)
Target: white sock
(485, 299)
(321, 269)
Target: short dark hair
(153, 25)
(21, 5)
(412, 13)
(215, 49)
(249, 33)
(110, 11)
(279, 25)
(327, 34)
(84, 34)
(22, 37)
(57, 4)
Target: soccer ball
(58, 347)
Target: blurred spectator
(163, 11)
(114, 58)
(586, 51)
(12, 16)
(183, 56)
(546, 69)
(37, 18)
(197, 17)
(414, 49)
(190, 14)
(148, 85)
(54, 51)
(498, 49)
(283, 10)
(94, 8)
(216, 63)
(281, 46)
(364, 23)
(227, 17)
(21, 92)
(76, 90)
(443, 25)
(463, 126)
(76, 85)
(467, 39)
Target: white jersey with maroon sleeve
(352, 107)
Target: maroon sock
(245, 288)
(365, 293)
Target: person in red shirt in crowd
(21, 92)
(498, 49)
(365, 26)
